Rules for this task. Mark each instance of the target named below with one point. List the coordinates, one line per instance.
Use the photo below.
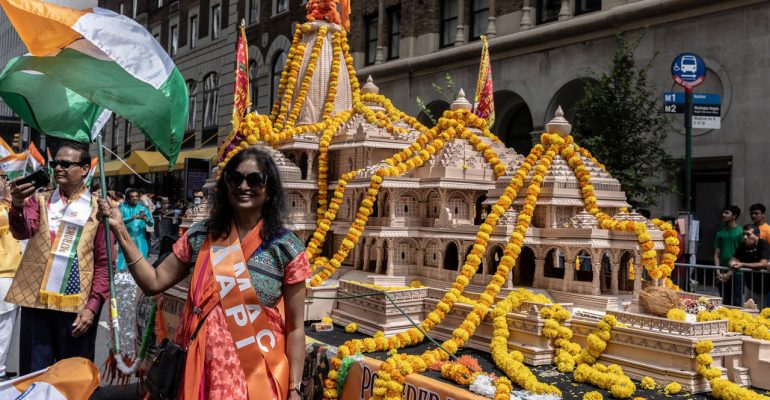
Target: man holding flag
(62, 281)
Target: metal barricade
(735, 291)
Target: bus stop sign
(688, 70)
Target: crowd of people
(745, 251)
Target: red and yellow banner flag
(484, 101)
(241, 97)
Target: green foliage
(448, 93)
(621, 122)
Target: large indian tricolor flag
(85, 64)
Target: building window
(134, 6)
(253, 12)
(448, 22)
(587, 6)
(210, 101)
(121, 9)
(193, 31)
(547, 11)
(280, 6)
(192, 87)
(479, 18)
(216, 21)
(275, 75)
(253, 83)
(126, 136)
(394, 32)
(371, 38)
(174, 42)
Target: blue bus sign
(688, 70)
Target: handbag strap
(195, 332)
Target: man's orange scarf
(262, 355)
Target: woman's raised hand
(113, 213)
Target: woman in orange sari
(247, 286)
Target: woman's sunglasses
(255, 180)
(63, 163)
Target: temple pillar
(596, 270)
(389, 268)
(638, 271)
(569, 275)
(614, 278)
(356, 257)
(538, 280)
(420, 258)
(440, 255)
(484, 268)
(526, 18)
(378, 264)
(366, 254)
(311, 173)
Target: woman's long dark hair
(274, 212)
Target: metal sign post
(688, 71)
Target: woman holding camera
(245, 268)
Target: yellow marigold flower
(593, 396)
(351, 327)
(704, 346)
(326, 320)
(672, 388)
(676, 314)
(647, 383)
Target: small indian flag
(85, 64)
(90, 176)
(71, 378)
(35, 159)
(5, 149)
(14, 165)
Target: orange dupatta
(228, 283)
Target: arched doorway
(526, 266)
(625, 279)
(494, 260)
(481, 211)
(384, 265)
(436, 109)
(606, 277)
(513, 123)
(583, 267)
(303, 165)
(568, 96)
(450, 257)
(554, 264)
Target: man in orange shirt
(759, 218)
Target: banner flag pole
(108, 239)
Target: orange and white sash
(262, 356)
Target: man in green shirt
(727, 241)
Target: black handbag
(167, 367)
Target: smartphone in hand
(38, 179)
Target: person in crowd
(758, 217)
(198, 197)
(727, 241)
(246, 226)
(753, 253)
(136, 218)
(10, 254)
(60, 293)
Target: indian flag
(14, 165)
(71, 378)
(35, 160)
(5, 149)
(86, 64)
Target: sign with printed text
(703, 104)
(688, 70)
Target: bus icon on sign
(689, 64)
